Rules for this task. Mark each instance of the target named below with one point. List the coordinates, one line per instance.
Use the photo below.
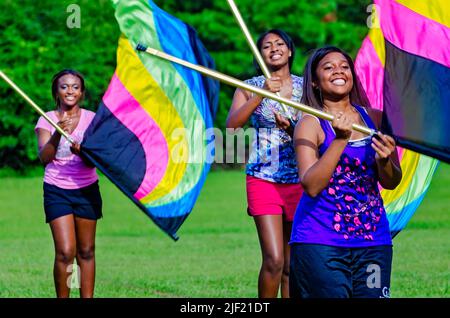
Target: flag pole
(237, 83)
(36, 107)
(254, 49)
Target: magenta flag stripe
(128, 110)
(371, 73)
(414, 33)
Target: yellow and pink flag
(149, 135)
(404, 66)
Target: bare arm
(48, 143)
(315, 172)
(242, 108)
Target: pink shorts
(270, 198)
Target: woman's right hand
(342, 126)
(273, 84)
(245, 103)
(65, 123)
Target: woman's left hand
(282, 122)
(75, 148)
(384, 146)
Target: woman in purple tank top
(340, 241)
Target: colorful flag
(404, 66)
(151, 135)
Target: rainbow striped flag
(151, 135)
(404, 66)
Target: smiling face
(275, 51)
(334, 76)
(69, 90)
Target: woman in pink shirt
(72, 200)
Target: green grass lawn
(217, 254)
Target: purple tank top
(349, 212)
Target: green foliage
(217, 254)
(36, 43)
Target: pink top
(68, 171)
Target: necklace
(335, 113)
(70, 116)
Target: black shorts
(85, 202)
(321, 271)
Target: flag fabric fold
(411, 73)
(404, 66)
(150, 133)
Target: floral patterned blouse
(272, 155)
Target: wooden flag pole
(237, 83)
(254, 49)
(36, 107)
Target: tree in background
(36, 42)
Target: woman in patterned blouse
(273, 188)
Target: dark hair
(286, 38)
(312, 95)
(60, 74)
